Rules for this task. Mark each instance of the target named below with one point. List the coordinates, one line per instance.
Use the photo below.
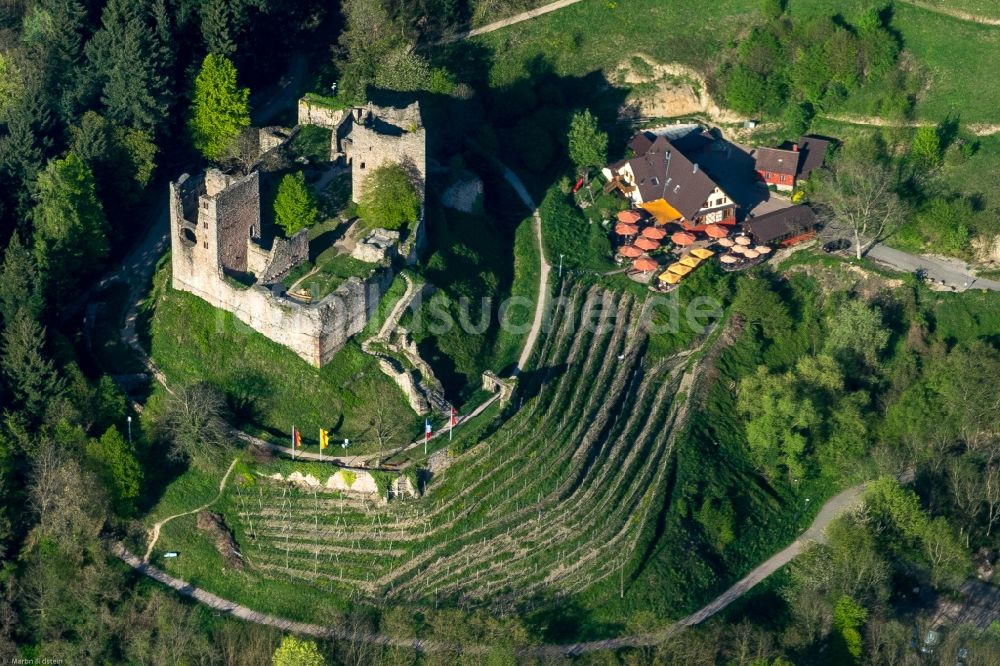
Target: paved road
(833, 508)
(503, 23)
(948, 272)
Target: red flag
(298, 438)
(454, 417)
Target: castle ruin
(219, 253)
(368, 137)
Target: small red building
(784, 167)
(778, 167)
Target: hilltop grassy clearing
(590, 36)
(270, 388)
(593, 35)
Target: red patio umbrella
(655, 233)
(716, 231)
(682, 238)
(629, 216)
(623, 229)
(646, 244)
(629, 251)
(645, 264)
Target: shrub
(926, 149)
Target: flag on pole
(298, 438)
(295, 436)
(427, 433)
(324, 439)
(452, 422)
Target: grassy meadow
(275, 389)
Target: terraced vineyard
(555, 501)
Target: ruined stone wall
(257, 258)
(313, 331)
(315, 114)
(237, 210)
(370, 149)
(285, 255)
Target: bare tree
(966, 486)
(991, 494)
(193, 421)
(65, 497)
(245, 151)
(384, 423)
(861, 201)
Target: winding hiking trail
(503, 23)
(953, 13)
(154, 532)
(833, 508)
(545, 268)
(979, 129)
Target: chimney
(795, 148)
(695, 170)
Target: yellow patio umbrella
(679, 269)
(670, 278)
(690, 261)
(702, 253)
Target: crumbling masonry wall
(314, 331)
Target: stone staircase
(399, 358)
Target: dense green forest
(822, 379)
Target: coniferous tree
(220, 108)
(117, 465)
(70, 227)
(22, 153)
(122, 67)
(19, 283)
(216, 27)
(53, 35)
(30, 374)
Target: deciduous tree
(117, 464)
(192, 419)
(295, 204)
(297, 652)
(389, 199)
(861, 200)
(857, 336)
(588, 145)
